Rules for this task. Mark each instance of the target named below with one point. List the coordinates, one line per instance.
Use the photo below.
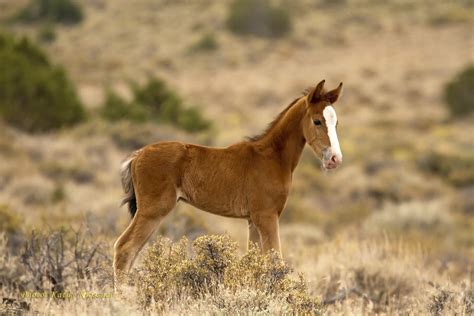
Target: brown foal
(250, 179)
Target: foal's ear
(316, 93)
(333, 95)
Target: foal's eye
(317, 122)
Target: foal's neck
(286, 139)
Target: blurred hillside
(408, 172)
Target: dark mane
(277, 119)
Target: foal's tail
(127, 184)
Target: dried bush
(53, 261)
(447, 301)
(61, 11)
(393, 182)
(32, 191)
(380, 288)
(458, 93)
(379, 276)
(32, 85)
(9, 264)
(213, 273)
(258, 17)
(60, 171)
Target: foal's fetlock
(120, 280)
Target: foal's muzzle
(330, 160)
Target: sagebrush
(214, 274)
(32, 84)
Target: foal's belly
(228, 203)
(234, 213)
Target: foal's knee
(121, 256)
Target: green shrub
(61, 11)
(258, 17)
(59, 194)
(164, 104)
(156, 102)
(216, 277)
(46, 33)
(455, 167)
(115, 109)
(459, 93)
(35, 95)
(206, 43)
(331, 3)
(452, 14)
(191, 120)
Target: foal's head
(319, 125)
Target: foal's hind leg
(151, 210)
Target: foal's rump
(156, 162)
(127, 185)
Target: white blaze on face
(331, 119)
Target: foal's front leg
(254, 236)
(267, 225)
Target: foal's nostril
(334, 159)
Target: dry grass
(383, 276)
(386, 276)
